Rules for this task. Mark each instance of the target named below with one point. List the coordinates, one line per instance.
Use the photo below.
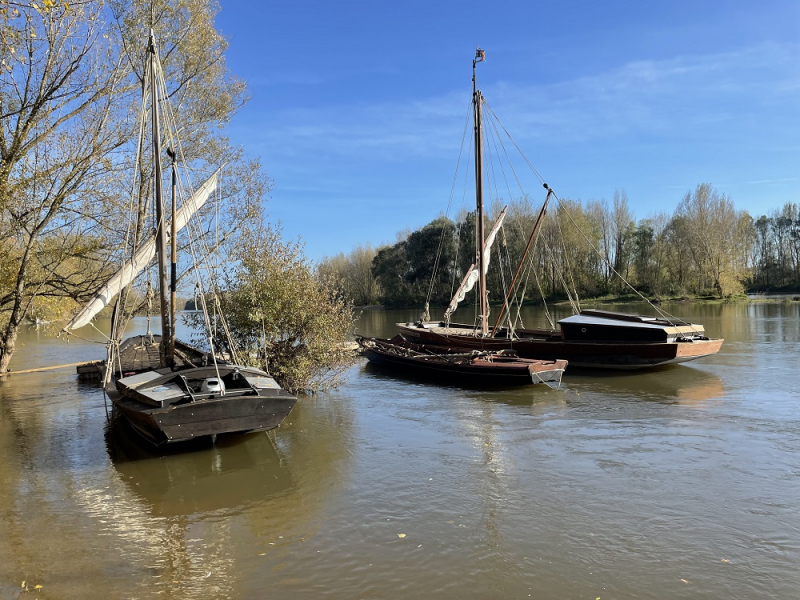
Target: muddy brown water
(682, 482)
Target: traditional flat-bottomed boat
(592, 339)
(469, 368)
(169, 391)
(588, 338)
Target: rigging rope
(426, 316)
(664, 314)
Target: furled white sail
(473, 273)
(141, 258)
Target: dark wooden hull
(167, 407)
(180, 423)
(444, 365)
(605, 354)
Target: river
(682, 482)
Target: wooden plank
(51, 368)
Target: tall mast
(173, 268)
(477, 100)
(161, 253)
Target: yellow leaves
(47, 5)
(280, 312)
(401, 535)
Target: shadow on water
(233, 473)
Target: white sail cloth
(141, 258)
(473, 274)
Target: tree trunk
(8, 341)
(8, 344)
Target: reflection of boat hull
(232, 473)
(684, 385)
(456, 366)
(168, 407)
(626, 345)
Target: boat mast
(542, 213)
(477, 100)
(173, 268)
(159, 202)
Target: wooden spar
(159, 202)
(477, 99)
(50, 368)
(173, 300)
(524, 256)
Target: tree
(69, 85)
(658, 252)
(599, 212)
(390, 268)
(430, 252)
(622, 228)
(644, 241)
(793, 212)
(353, 274)
(567, 253)
(283, 317)
(465, 252)
(419, 268)
(56, 82)
(764, 251)
(714, 238)
(205, 96)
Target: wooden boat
(448, 359)
(139, 353)
(591, 339)
(166, 406)
(168, 391)
(587, 339)
(472, 368)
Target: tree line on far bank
(706, 247)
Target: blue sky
(357, 108)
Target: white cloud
(685, 94)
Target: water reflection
(680, 384)
(673, 384)
(232, 474)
